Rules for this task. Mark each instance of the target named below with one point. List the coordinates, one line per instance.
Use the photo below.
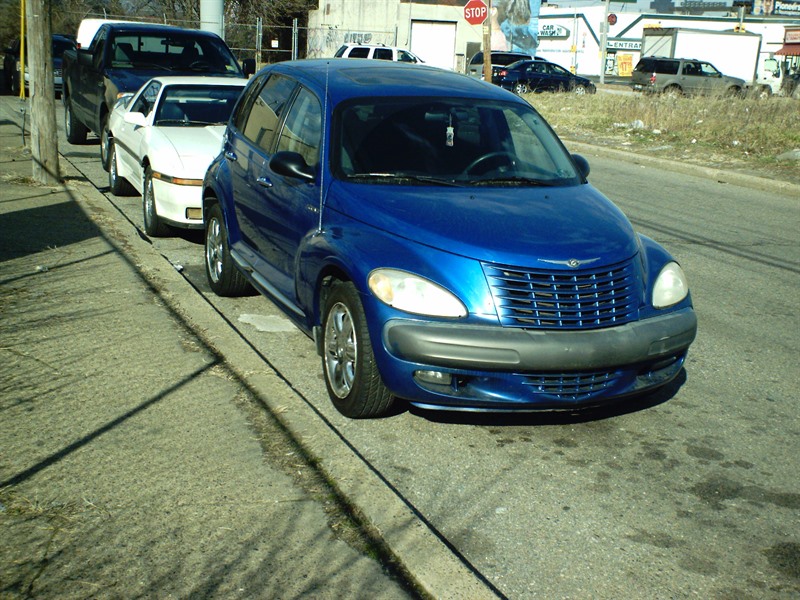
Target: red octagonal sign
(475, 12)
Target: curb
(719, 175)
(425, 555)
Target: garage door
(434, 42)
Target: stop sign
(475, 12)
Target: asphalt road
(691, 493)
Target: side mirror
(291, 164)
(582, 164)
(84, 57)
(249, 66)
(135, 118)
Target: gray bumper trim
(503, 349)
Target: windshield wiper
(515, 180)
(399, 176)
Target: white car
(163, 138)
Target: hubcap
(341, 350)
(214, 250)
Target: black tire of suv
(75, 130)
(673, 91)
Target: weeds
(742, 133)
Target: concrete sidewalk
(133, 461)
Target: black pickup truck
(121, 57)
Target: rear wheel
(75, 130)
(351, 375)
(153, 225)
(119, 186)
(223, 277)
(673, 91)
(521, 88)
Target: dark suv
(676, 76)
(499, 60)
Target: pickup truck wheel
(105, 141)
(348, 363)
(75, 130)
(119, 186)
(223, 277)
(153, 225)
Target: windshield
(453, 141)
(173, 53)
(198, 105)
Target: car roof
(128, 26)
(199, 80)
(359, 77)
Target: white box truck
(731, 52)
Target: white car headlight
(411, 293)
(671, 286)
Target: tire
(223, 276)
(153, 225)
(579, 89)
(75, 130)
(521, 88)
(348, 362)
(105, 143)
(673, 91)
(119, 186)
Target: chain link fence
(271, 43)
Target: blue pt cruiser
(433, 236)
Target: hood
(517, 226)
(193, 149)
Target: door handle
(231, 156)
(264, 182)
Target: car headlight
(411, 293)
(671, 286)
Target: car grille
(571, 386)
(585, 299)
(56, 72)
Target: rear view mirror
(249, 66)
(582, 164)
(291, 164)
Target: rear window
(653, 65)
(359, 52)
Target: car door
(691, 77)
(536, 75)
(129, 139)
(289, 206)
(247, 150)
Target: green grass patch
(741, 133)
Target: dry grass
(746, 134)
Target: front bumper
(494, 366)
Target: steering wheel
(200, 64)
(488, 156)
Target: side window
(668, 67)
(383, 54)
(144, 103)
(359, 52)
(249, 95)
(303, 128)
(266, 111)
(404, 56)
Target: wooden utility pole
(44, 139)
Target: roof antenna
(322, 152)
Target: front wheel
(579, 89)
(348, 362)
(223, 277)
(75, 130)
(105, 144)
(153, 225)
